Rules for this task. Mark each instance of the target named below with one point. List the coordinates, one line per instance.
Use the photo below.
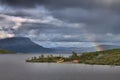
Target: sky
(56, 23)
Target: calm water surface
(14, 67)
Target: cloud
(47, 20)
(55, 4)
(4, 34)
(96, 21)
(16, 25)
(19, 20)
(61, 21)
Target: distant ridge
(83, 49)
(22, 45)
(107, 47)
(25, 45)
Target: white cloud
(47, 20)
(19, 20)
(4, 34)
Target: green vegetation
(2, 51)
(42, 58)
(53, 59)
(108, 57)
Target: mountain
(22, 45)
(25, 45)
(71, 49)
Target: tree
(42, 56)
(74, 56)
(34, 57)
(39, 57)
(51, 56)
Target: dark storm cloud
(44, 32)
(23, 3)
(58, 4)
(19, 13)
(1, 18)
(48, 29)
(97, 21)
(100, 18)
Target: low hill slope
(107, 57)
(5, 51)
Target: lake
(14, 67)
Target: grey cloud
(19, 13)
(113, 4)
(44, 32)
(100, 18)
(20, 3)
(1, 18)
(48, 29)
(97, 21)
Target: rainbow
(91, 38)
(97, 47)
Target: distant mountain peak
(21, 45)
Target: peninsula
(107, 57)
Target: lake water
(14, 67)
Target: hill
(22, 45)
(107, 57)
(83, 49)
(108, 47)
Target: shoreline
(107, 57)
